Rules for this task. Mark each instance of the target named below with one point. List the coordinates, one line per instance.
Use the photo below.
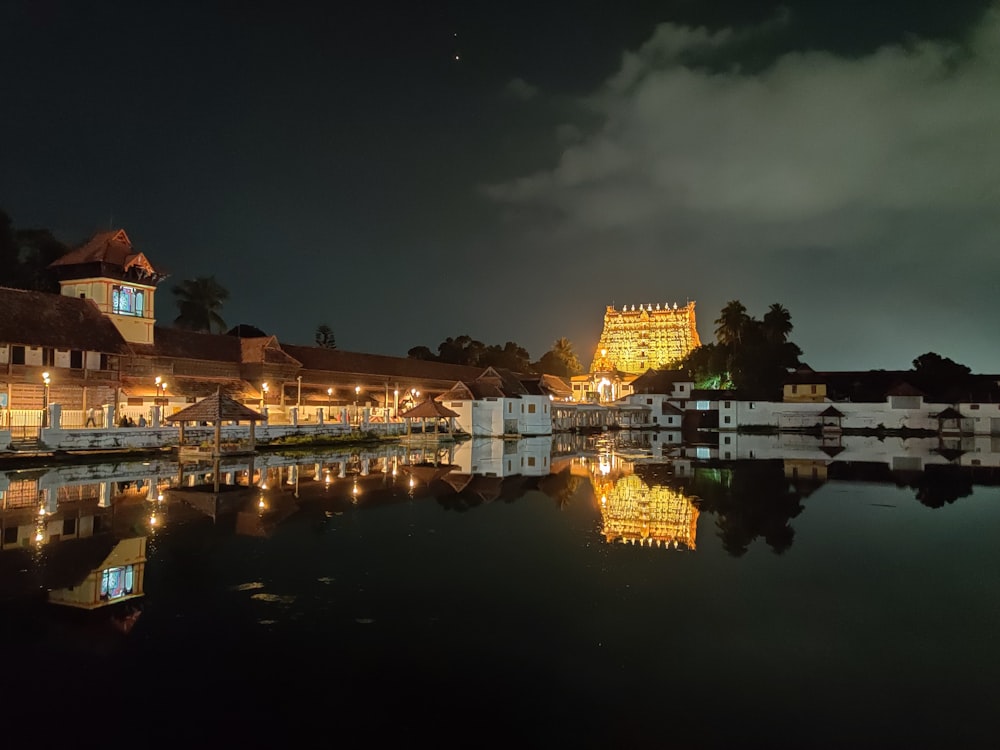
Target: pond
(603, 592)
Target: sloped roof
(265, 349)
(181, 344)
(831, 411)
(31, 318)
(949, 413)
(113, 247)
(555, 386)
(904, 388)
(428, 409)
(216, 408)
(404, 368)
(508, 381)
(660, 381)
(198, 387)
(472, 390)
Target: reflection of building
(116, 578)
(634, 512)
(635, 341)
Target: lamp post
(395, 403)
(357, 392)
(45, 400)
(263, 396)
(298, 392)
(161, 388)
(329, 403)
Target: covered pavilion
(215, 410)
(429, 409)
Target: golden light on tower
(652, 336)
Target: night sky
(335, 163)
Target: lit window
(117, 582)
(126, 300)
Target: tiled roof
(30, 318)
(113, 248)
(216, 408)
(181, 344)
(428, 409)
(404, 368)
(265, 349)
(659, 381)
(196, 387)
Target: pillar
(155, 416)
(294, 413)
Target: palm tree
(777, 324)
(199, 301)
(732, 323)
(563, 349)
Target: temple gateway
(636, 339)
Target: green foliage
(199, 301)
(560, 360)
(749, 355)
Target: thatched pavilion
(215, 410)
(429, 409)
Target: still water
(610, 592)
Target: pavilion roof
(428, 409)
(216, 408)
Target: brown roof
(404, 368)
(265, 349)
(428, 409)
(181, 344)
(30, 318)
(216, 408)
(113, 247)
(185, 385)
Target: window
(728, 419)
(681, 388)
(510, 407)
(795, 389)
(973, 406)
(127, 300)
(727, 440)
(17, 355)
(729, 404)
(48, 357)
(750, 405)
(531, 408)
(76, 359)
(10, 535)
(812, 389)
(702, 405)
(69, 526)
(649, 401)
(117, 582)
(531, 460)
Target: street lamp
(45, 400)
(329, 403)
(298, 393)
(263, 395)
(357, 392)
(161, 387)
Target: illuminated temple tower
(634, 341)
(632, 512)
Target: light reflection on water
(600, 578)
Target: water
(777, 602)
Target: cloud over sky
(863, 193)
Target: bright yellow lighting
(39, 537)
(260, 503)
(153, 520)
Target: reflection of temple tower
(634, 341)
(634, 512)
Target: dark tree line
(25, 256)
(465, 350)
(750, 355)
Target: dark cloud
(861, 192)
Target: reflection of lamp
(45, 400)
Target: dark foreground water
(838, 612)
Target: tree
(511, 357)
(324, 337)
(422, 352)
(777, 324)
(732, 324)
(560, 360)
(199, 301)
(934, 373)
(25, 257)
